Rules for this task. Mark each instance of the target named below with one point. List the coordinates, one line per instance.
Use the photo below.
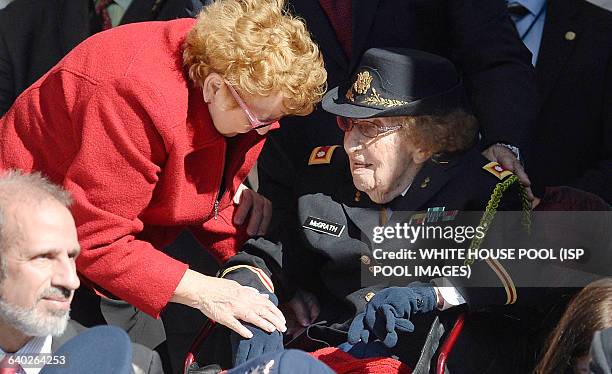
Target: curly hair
(258, 48)
(450, 132)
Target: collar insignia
(322, 155)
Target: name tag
(323, 226)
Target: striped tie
(102, 11)
(340, 13)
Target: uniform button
(570, 35)
(365, 260)
(419, 303)
(369, 296)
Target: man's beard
(33, 322)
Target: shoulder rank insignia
(497, 170)
(322, 155)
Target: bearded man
(38, 249)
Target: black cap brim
(339, 106)
(446, 101)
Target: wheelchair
(423, 366)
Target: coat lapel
(320, 27)
(364, 213)
(364, 12)
(562, 16)
(432, 177)
(74, 20)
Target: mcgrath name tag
(323, 226)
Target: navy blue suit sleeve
(7, 94)
(497, 69)
(598, 178)
(173, 9)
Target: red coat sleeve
(112, 178)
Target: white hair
(17, 187)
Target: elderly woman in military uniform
(410, 155)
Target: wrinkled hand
(259, 207)
(389, 311)
(508, 161)
(261, 343)
(227, 302)
(301, 311)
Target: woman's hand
(227, 302)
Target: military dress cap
(392, 82)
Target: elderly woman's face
(384, 166)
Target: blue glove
(389, 311)
(261, 343)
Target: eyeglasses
(253, 120)
(366, 128)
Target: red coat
(118, 124)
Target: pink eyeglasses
(255, 123)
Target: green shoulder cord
(491, 210)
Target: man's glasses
(366, 128)
(253, 120)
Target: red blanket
(343, 363)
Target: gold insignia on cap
(497, 170)
(376, 99)
(349, 95)
(362, 85)
(570, 35)
(362, 82)
(322, 155)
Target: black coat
(330, 265)
(36, 34)
(573, 142)
(335, 267)
(477, 35)
(333, 256)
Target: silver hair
(32, 322)
(17, 187)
